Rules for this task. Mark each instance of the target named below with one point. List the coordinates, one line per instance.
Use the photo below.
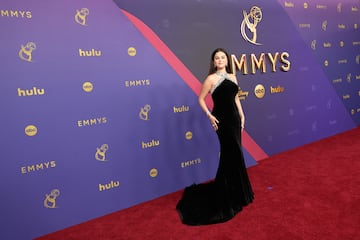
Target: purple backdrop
(95, 119)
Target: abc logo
(31, 130)
(188, 135)
(88, 86)
(259, 91)
(131, 51)
(153, 172)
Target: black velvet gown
(222, 198)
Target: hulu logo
(89, 53)
(108, 186)
(30, 92)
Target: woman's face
(220, 60)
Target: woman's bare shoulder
(211, 77)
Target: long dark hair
(212, 68)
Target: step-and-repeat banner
(99, 98)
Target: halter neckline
(223, 76)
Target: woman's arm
(241, 112)
(206, 87)
(204, 92)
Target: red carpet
(309, 193)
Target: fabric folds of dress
(222, 198)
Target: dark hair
(212, 68)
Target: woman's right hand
(214, 122)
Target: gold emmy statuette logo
(339, 7)
(251, 20)
(131, 51)
(88, 87)
(25, 52)
(31, 130)
(153, 172)
(342, 44)
(352, 111)
(100, 152)
(50, 199)
(357, 59)
(324, 25)
(313, 44)
(80, 16)
(348, 77)
(326, 63)
(259, 91)
(306, 5)
(188, 135)
(144, 112)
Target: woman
(221, 199)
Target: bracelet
(208, 113)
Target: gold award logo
(144, 112)
(100, 153)
(339, 7)
(313, 44)
(348, 77)
(25, 52)
(324, 25)
(251, 21)
(50, 199)
(80, 16)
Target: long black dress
(221, 199)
